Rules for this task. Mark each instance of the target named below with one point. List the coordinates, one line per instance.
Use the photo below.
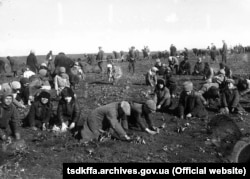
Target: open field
(46, 151)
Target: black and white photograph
(123, 82)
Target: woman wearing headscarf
(162, 96)
(190, 103)
(151, 77)
(40, 112)
(68, 110)
(61, 80)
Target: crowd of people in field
(37, 82)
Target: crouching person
(40, 112)
(68, 110)
(139, 110)
(151, 77)
(105, 118)
(162, 96)
(230, 99)
(8, 117)
(190, 103)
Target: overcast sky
(80, 26)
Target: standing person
(8, 117)
(49, 59)
(40, 112)
(132, 59)
(100, 58)
(32, 62)
(106, 118)
(68, 110)
(13, 65)
(190, 104)
(224, 52)
(213, 52)
(173, 50)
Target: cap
(43, 72)
(43, 64)
(67, 92)
(15, 85)
(154, 69)
(44, 94)
(157, 60)
(126, 107)
(151, 105)
(24, 80)
(62, 69)
(188, 86)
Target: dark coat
(173, 50)
(32, 62)
(185, 68)
(13, 64)
(198, 68)
(61, 60)
(39, 112)
(230, 98)
(100, 55)
(2, 67)
(103, 118)
(191, 104)
(162, 96)
(8, 118)
(132, 55)
(68, 112)
(136, 117)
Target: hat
(158, 60)
(154, 69)
(76, 64)
(230, 81)
(62, 69)
(43, 72)
(5, 94)
(126, 107)
(151, 105)
(15, 85)
(109, 66)
(43, 64)
(188, 86)
(161, 81)
(44, 94)
(222, 71)
(24, 81)
(67, 92)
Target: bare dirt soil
(178, 142)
